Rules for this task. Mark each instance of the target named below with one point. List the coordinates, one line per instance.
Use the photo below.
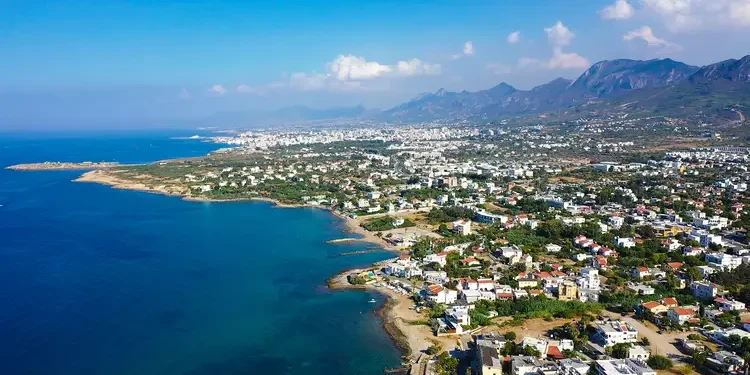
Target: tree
(621, 350)
(659, 362)
(510, 336)
(434, 349)
(699, 359)
(446, 365)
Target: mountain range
(660, 85)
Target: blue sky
(132, 61)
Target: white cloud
(514, 37)
(646, 34)
(347, 73)
(567, 60)
(468, 51)
(416, 66)
(469, 48)
(217, 90)
(689, 15)
(620, 10)
(499, 69)
(559, 35)
(528, 62)
(345, 68)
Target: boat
(372, 300)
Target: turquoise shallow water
(95, 280)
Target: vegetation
(659, 362)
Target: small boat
(372, 300)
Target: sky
(89, 62)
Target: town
(526, 249)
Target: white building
(623, 367)
(616, 332)
(462, 227)
(726, 262)
(589, 279)
(626, 242)
(704, 290)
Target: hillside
(660, 85)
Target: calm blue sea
(95, 280)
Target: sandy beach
(398, 319)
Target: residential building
(622, 367)
(681, 315)
(704, 289)
(567, 291)
(462, 227)
(527, 365)
(725, 262)
(729, 305)
(615, 332)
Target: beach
(398, 319)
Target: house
(462, 227)
(622, 367)
(681, 315)
(729, 305)
(552, 248)
(573, 366)
(527, 365)
(626, 242)
(673, 266)
(638, 353)
(528, 283)
(439, 294)
(726, 362)
(436, 277)
(692, 346)
(704, 290)
(567, 291)
(456, 317)
(489, 360)
(615, 332)
(654, 307)
(470, 261)
(641, 272)
(725, 262)
(670, 302)
(589, 279)
(539, 345)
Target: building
(725, 262)
(567, 291)
(704, 289)
(654, 307)
(638, 353)
(438, 294)
(488, 360)
(526, 365)
(589, 279)
(573, 366)
(625, 242)
(680, 315)
(615, 332)
(462, 227)
(729, 305)
(485, 217)
(622, 367)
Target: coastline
(397, 318)
(350, 225)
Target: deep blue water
(95, 280)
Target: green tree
(659, 362)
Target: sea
(96, 280)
